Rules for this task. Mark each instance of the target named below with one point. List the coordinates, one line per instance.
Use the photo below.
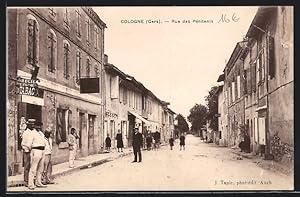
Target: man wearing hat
(37, 146)
(26, 136)
(137, 142)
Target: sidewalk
(80, 163)
(287, 168)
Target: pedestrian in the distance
(47, 174)
(119, 139)
(72, 141)
(108, 143)
(26, 136)
(171, 142)
(156, 140)
(137, 142)
(182, 141)
(149, 141)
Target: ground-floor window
(63, 124)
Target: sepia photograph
(150, 98)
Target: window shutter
(272, 61)
(69, 121)
(59, 125)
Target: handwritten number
(235, 18)
(224, 18)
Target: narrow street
(200, 167)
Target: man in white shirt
(37, 146)
(26, 137)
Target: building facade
(58, 47)
(259, 83)
(234, 90)
(130, 105)
(271, 51)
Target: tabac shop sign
(27, 87)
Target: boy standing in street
(47, 174)
(72, 141)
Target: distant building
(129, 105)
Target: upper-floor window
(125, 96)
(52, 13)
(32, 40)
(88, 31)
(238, 85)
(88, 67)
(96, 36)
(52, 51)
(233, 91)
(67, 18)
(78, 66)
(66, 59)
(78, 23)
(97, 70)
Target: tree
(212, 105)
(182, 125)
(197, 117)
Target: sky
(178, 62)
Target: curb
(71, 170)
(242, 155)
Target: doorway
(131, 125)
(91, 130)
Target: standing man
(182, 141)
(171, 142)
(37, 146)
(72, 147)
(47, 174)
(137, 142)
(26, 137)
(156, 139)
(149, 141)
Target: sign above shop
(89, 85)
(28, 87)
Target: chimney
(105, 59)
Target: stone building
(234, 91)
(129, 105)
(56, 47)
(259, 83)
(271, 56)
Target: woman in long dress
(119, 139)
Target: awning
(139, 117)
(261, 108)
(32, 100)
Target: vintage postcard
(172, 98)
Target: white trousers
(72, 157)
(36, 168)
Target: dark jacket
(182, 140)
(108, 142)
(119, 140)
(157, 136)
(137, 140)
(149, 140)
(171, 142)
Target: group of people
(181, 142)
(37, 149)
(120, 144)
